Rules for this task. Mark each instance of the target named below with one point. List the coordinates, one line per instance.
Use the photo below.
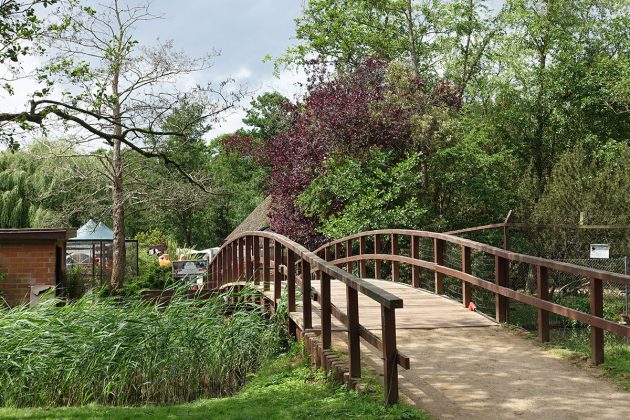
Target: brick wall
(24, 265)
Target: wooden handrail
(500, 287)
(488, 249)
(239, 259)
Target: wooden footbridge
(367, 286)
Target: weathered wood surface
(422, 309)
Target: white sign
(600, 250)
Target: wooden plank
(542, 286)
(350, 265)
(354, 349)
(395, 264)
(277, 273)
(325, 303)
(362, 264)
(415, 254)
(466, 268)
(291, 280)
(306, 295)
(378, 266)
(438, 259)
(501, 279)
(266, 265)
(597, 309)
(390, 365)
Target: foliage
(97, 350)
(283, 389)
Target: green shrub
(99, 350)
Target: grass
(113, 352)
(282, 389)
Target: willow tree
(120, 93)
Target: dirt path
(491, 373)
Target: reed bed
(99, 350)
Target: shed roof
(36, 234)
(258, 219)
(92, 231)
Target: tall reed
(125, 353)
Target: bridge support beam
(466, 268)
(542, 286)
(390, 355)
(501, 275)
(438, 258)
(597, 309)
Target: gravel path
(492, 373)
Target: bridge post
(466, 268)
(415, 254)
(291, 279)
(438, 258)
(325, 310)
(307, 311)
(354, 349)
(338, 251)
(390, 355)
(597, 308)
(542, 286)
(265, 274)
(249, 258)
(501, 275)
(378, 266)
(362, 266)
(256, 259)
(349, 265)
(234, 261)
(277, 279)
(395, 264)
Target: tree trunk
(411, 35)
(118, 215)
(118, 196)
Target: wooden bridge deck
(421, 310)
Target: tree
(122, 93)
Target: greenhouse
(90, 254)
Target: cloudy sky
(243, 30)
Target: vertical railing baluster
(354, 350)
(466, 268)
(249, 258)
(501, 279)
(542, 289)
(349, 265)
(277, 275)
(378, 265)
(415, 254)
(597, 309)
(291, 279)
(338, 251)
(307, 311)
(390, 355)
(395, 264)
(325, 310)
(235, 273)
(438, 259)
(256, 259)
(266, 263)
(362, 265)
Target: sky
(243, 30)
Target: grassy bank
(112, 352)
(283, 389)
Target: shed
(30, 260)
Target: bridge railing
(267, 259)
(373, 249)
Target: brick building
(31, 259)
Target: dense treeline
(445, 114)
(420, 114)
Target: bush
(98, 350)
